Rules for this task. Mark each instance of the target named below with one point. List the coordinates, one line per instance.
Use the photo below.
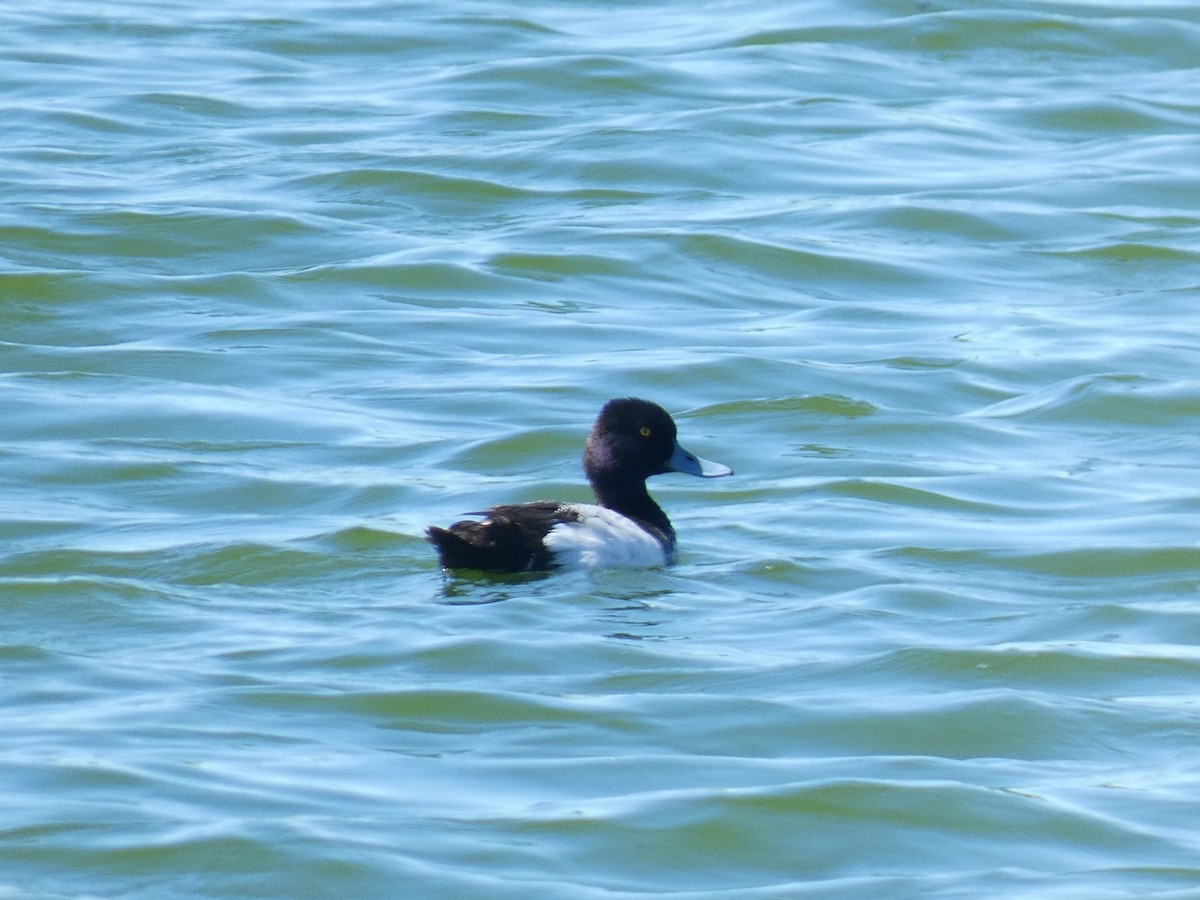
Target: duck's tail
(488, 545)
(456, 550)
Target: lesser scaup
(631, 440)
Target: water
(281, 287)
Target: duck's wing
(508, 539)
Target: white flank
(603, 539)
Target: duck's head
(634, 439)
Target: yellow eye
(645, 431)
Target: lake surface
(283, 285)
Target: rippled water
(282, 286)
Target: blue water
(280, 287)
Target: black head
(631, 439)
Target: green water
(280, 287)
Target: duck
(631, 440)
